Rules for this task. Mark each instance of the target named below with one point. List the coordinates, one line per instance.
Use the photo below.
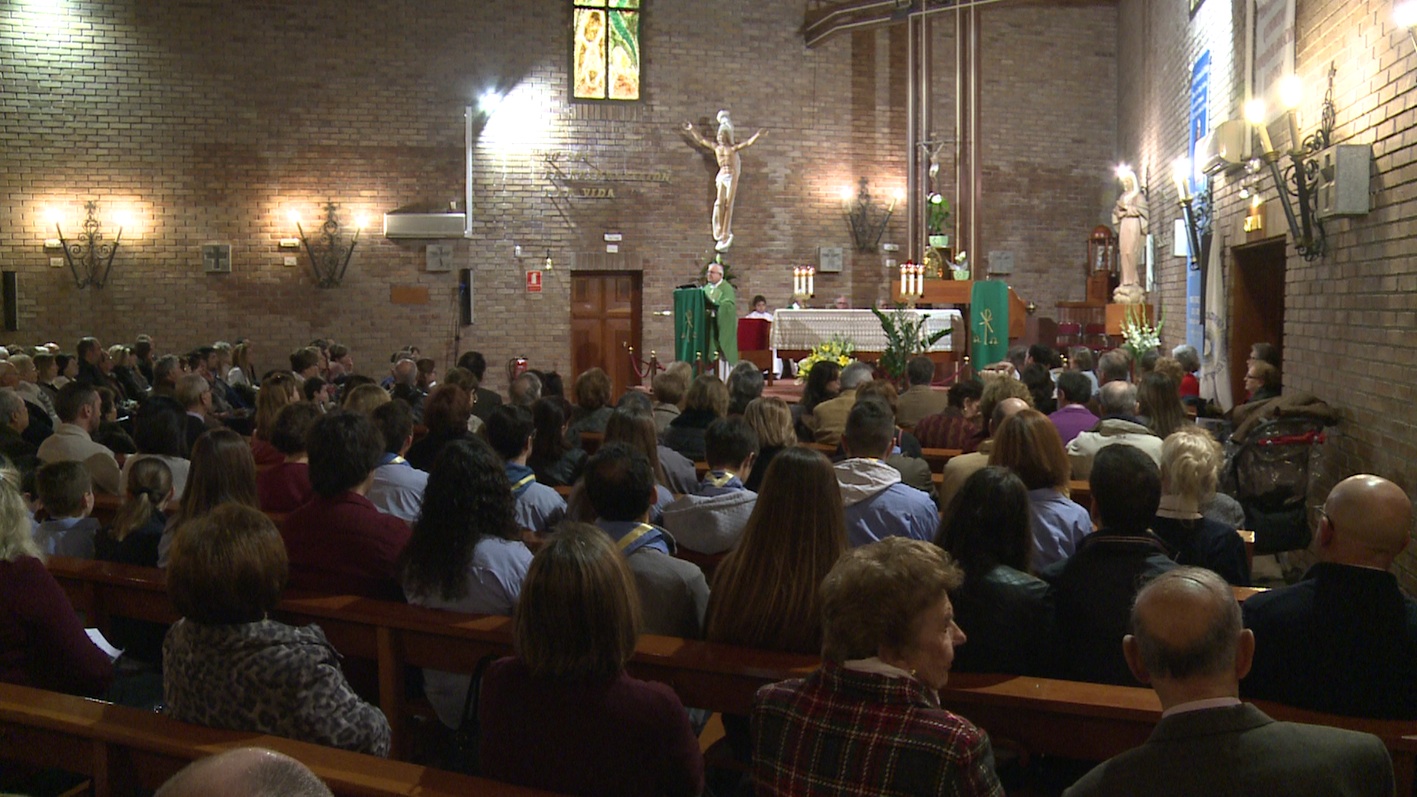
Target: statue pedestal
(1117, 313)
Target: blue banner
(1198, 128)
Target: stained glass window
(605, 50)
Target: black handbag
(463, 749)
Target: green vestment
(724, 334)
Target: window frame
(607, 7)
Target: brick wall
(209, 121)
(1348, 316)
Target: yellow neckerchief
(719, 481)
(636, 533)
(525, 480)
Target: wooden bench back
(126, 751)
(1045, 716)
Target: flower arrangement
(838, 350)
(1138, 334)
(939, 214)
(905, 338)
(960, 267)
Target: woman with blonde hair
(364, 399)
(277, 390)
(771, 420)
(575, 625)
(1028, 444)
(42, 641)
(1190, 468)
(765, 592)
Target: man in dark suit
(1187, 643)
(1343, 640)
(484, 400)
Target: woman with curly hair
(466, 553)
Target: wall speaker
(465, 296)
(10, 286)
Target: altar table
(795, 332)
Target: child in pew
(713, 520)
(66, 493)
(132, 539)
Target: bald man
(959, 469)
(1187, 644)
(245, 772)
(1119, 424)
(1343, 640)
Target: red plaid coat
(844, 732)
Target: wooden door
(1256, 305)
(605, 318)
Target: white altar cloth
(803, 329)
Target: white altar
(800, 330)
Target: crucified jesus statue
(725, 150)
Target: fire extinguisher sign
(533, 282)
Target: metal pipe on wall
(912, 145)
(976, 177)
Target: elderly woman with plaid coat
(888, 638)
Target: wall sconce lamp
(1405, 14)
(1297, 183)
(90, 259)
(1181, 175)
(330, 260)
(866, 223)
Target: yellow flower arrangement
(838, 350)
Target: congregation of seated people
(697, 508)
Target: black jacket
(1007, 616)
(1093, 592)
(1343, 640)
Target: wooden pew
(937, 457)
(1087, 721)
(1094, 722)
(396, 636)
(126, 751)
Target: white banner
(1215, 358)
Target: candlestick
(1294, 143)
(811, 279)
(904, 268)
(1264, 137)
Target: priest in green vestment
(723, 330)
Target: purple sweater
(42, 643)
(622, 737)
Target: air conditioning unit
(1227, 146)
(424, 225)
